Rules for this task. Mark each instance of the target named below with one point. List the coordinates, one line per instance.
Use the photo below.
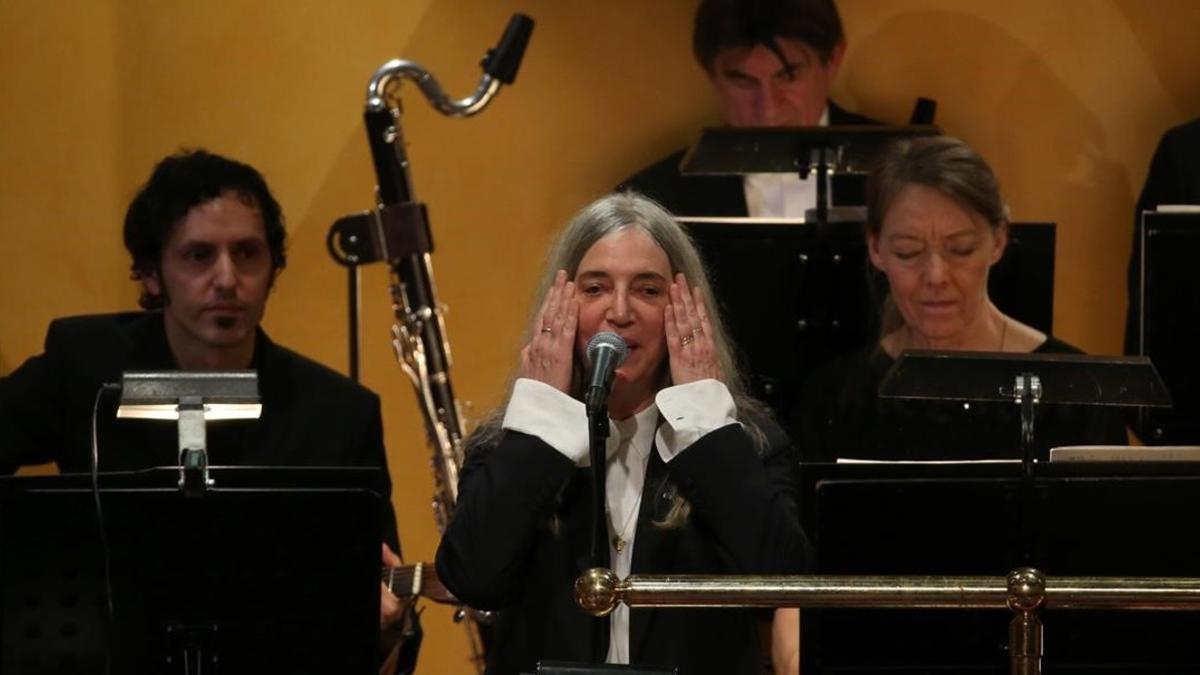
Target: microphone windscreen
(607, 339)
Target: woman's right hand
(550, 354)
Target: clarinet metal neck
(400, 69)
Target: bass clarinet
(397, 231)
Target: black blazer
(312, 416)
(724, 196)
(1173, 178)
(520, 537)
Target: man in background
(771, 63)
(206, 238)
(1173, 178)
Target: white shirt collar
(636, 431)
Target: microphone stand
(605, 351)
(597, 413)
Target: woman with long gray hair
(699, 480)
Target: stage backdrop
(1065, 98)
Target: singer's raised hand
(550, 354)
(693, 354)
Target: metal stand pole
(598, 438)
(355, 310)
(1026, 595)
(1028, 392)
(822, 175)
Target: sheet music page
(1126, 453)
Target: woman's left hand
(693, 355)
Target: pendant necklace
(620, 539)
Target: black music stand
(1026, 380)
(794, 297)
(825, 151)
(965, 518)
(1169, 322)
(989, 518)
(272, 570)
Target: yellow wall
(1065, 98)
(60, 192)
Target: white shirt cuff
(540, 410)
(690, 411)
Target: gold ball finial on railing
(596, 591)
(1026, 589)
(1026, 595)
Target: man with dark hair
(179, 184)
(772, 63)
(207, 240)
(1172, 179)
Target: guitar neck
(417, 580)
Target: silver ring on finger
(686, 340)
(547, 330)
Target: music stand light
(192, 398)
(825, 151)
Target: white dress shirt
(782, 195)
(687, 411)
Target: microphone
(606, 351)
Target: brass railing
(1025, 591)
